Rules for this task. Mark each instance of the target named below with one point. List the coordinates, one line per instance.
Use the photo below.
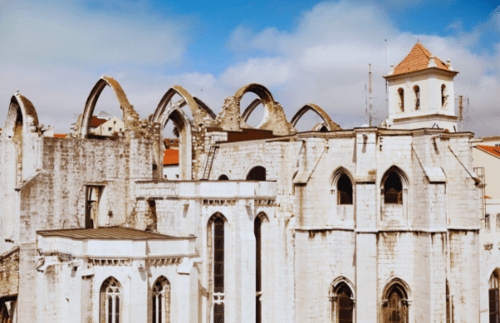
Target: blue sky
(304, 51)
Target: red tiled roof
(96, 122)
(171, 157)
(60, 135)
(417, 60)
(487, 197)
(491, 149)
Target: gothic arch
(205, 107)
(128, 112)
(201, 116)
(248, 111)
(274, 117)
(402, 175)
(339, 172)
(256, 170)
(21, 113)
(339, 280)
(329, 124)
(399, 288)
(396, 281)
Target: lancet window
(494, 302)
(344, 190)
(393, 189)
(111, 295)
(216, 245)
(161, 301)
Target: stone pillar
(366, 267)
(27, 305)
(245, 284)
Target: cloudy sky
(304, 51)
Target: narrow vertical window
(443, 95)
(258, 269)
(93, 194)
(401, 101)
(110, 301)
(498, 222)
(161, 301)
(344, 190)
(494, 299)
(416, 88)
(487, 222)
(218, 270)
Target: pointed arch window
(393, 189)
(161, 301)
(416, 89)
(344, 190)
(401, 99)
(395, 306)
(342, 304)
(111, 295)
(216, 245)
(493, 296)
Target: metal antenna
(370, 93)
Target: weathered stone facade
(308, 227)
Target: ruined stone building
(265, 224)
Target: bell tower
(421, 92)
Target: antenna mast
(370, 93)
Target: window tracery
(161, 301)
(110, 301)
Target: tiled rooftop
(417, 60)
(112, 233)
(491, 149)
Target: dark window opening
(393, 189)
(487, 226)
(417, 97)
(345, 304)
(258, 269)
(323, 129)
(493, 296)
(223, 178)
(257, 174)
(344, 190)
(218, 269)
(401, 94)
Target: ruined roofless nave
(265, 224)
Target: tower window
(401, 96)
(443, 95)
(416, 88)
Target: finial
(418, 40)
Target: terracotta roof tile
(417, 60)
(60, 135)
(491, 149)
(96, 122)
(171, 157)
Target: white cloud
(55, 54)
(327, 59)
